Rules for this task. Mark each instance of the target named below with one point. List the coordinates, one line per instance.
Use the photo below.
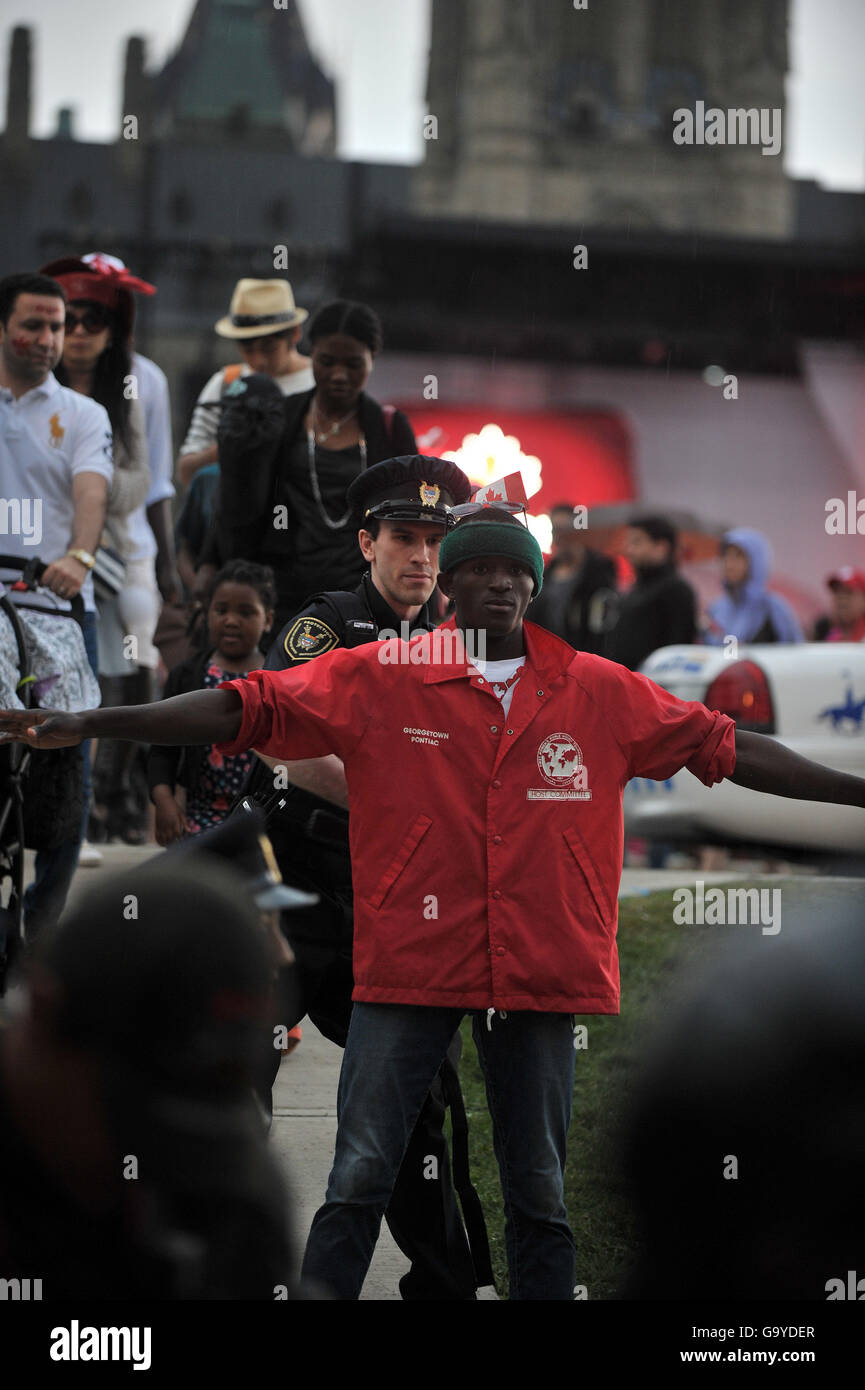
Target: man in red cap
(847, 621)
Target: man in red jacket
(486, 839)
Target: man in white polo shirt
(56, 466)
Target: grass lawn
(651, 949)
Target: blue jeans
(391, 1057)
(45, 899)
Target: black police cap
(415, 487)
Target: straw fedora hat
(259, 307)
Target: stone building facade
(549, 113)
(553, 127)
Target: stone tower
(549, 113)
(243, 72)
(18, 96)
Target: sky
(377, 52)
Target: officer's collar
(383, 615)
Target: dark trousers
(423, 1214)
(391, 1053)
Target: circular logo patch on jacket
(309, 637)
(559, 757)
(560, 763)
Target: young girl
(239, 612)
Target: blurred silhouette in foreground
(132, 1159)
(745, 1146)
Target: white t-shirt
(47, 437)
(155, 404)
(205, 418)
(501, 677)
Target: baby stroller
(43, 664)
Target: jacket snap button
(510, 731)
(480, 680)
(500, 950)
(497, 893)
(540, 692)
(497, 839)
(494, 728)
(497, 784)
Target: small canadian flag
(509, 489)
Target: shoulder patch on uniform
(309, 637)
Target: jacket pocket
(577, 845)
(399, 861)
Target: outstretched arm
(766, 766)
(202, 716)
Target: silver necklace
(334, 429)
(316, 490)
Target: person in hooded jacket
(748, 609)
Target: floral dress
(220, 778)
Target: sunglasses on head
(465, 509)
(92, 320)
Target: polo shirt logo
(560, 763)
(57, 430)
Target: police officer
(402, 508)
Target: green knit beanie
(470, 539)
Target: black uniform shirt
(349, 618)
(660, 610)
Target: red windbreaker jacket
(486, 851)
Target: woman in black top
(285, 464)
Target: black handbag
(53, 796)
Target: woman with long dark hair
(286, 463)
(97, 361)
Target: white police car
(810, 696)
